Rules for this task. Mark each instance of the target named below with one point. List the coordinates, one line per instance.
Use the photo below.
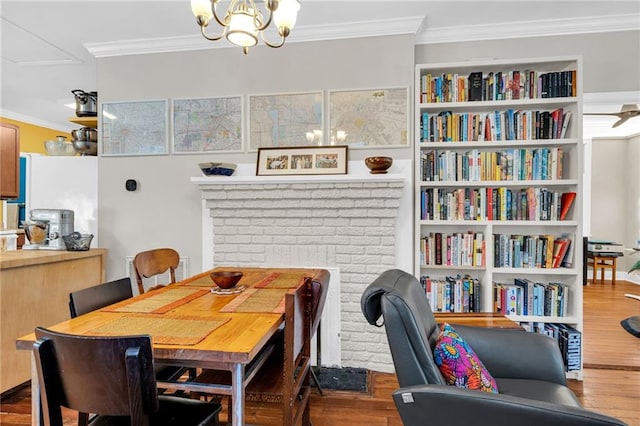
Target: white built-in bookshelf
(497, 144)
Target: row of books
(569, 341)
(457, 249)
(496, 86)
(533, 203)
(507, 125)
(519, 164)
(532, 251)
(526, 297)
(452, 294)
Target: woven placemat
(205, 281)
(258, 300)
(178, 330)
(282, 280)
(158, 301)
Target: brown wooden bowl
(226, 279)
(378, 165)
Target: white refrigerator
(64, 183)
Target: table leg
(237, 390)
(36, 413)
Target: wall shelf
(85, 121)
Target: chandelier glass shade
(244, 22)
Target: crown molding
(34, 121)
(525, 29)
(407, 25)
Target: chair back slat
(297, 353)
(319, 290)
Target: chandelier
(243, 21)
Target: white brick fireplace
(349, 224)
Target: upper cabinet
(10, 161)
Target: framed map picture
(207, 125)
(309, 160)
(135, 128)
(369, 118)
(284, 120)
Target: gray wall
(166, 209)
(615, 194)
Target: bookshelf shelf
(535, 271)
(539, 318)
(497, 105)
(524, 108)
(498, 183)
(499, 144)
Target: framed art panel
(369, 118)
(135, 128)
(308, 160)
(283, 120)
(207, 125)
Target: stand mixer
(46, 228)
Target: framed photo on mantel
(307, 160)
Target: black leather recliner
(528, 367)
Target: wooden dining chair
(112, 377)
(319, 292)
(284, 378)
(155, 262)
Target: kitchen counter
(19, 258)
(34, 291)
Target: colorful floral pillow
(459, 364)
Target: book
(567, 262)
(475, 86)
(560, 247)
(565, 124)
(566, 201)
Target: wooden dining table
(193, 323)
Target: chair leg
(316, 382)
(83, 419)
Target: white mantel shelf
(265, 180)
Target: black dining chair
(99, 296)
(112, 377)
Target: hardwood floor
(611, 382)
(606, 343)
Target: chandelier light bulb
(242, 30)
(286, 15)
(202, 8)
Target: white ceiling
(49, 48)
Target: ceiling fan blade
(616, 114)
(619, 122)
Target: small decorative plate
(233, 290)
